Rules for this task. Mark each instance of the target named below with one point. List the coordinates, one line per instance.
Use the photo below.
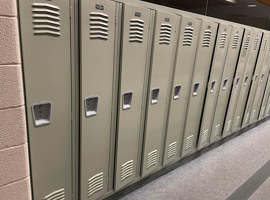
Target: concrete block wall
(14, 160)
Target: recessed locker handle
(127, 100)
(91, 106)
(225, 82)
(195, 89)
(154, 95)
(237, 82)
(245, 81)
(255, 78)
(177, 90)
(262, 78)
(212, 86)
(42, 113)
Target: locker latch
(195, 89)
(154, 95)
(177, 89)
(225, 84)
(91, 106)
(127, 100)
(212, 86)
(42, 113)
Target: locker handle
(127, 100)
(212, 86)
(177, 89)
(225, 84)
(237, 81)
(255, 78)
(262, 77)
(42, 113)
(246, 79)
(195, 89)
(154, 95)
(91, 106)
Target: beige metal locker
(255, 79)
(261, 87)
(226, 83)
(238, 77)
(136, 49)
(99, 28)
(265, 99)
(189, 31)
(267, 109)
(165, 43)
(246, 82)
(202, 66)
(46, 40)
(222, 46)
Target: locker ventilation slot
(46, 19)
(256, 43)
(264, 45)
(99, 23)
(189, 142)
(188, 35)
(95, 184)
(223, 40)
(56, 195)
(235, 41)
(247, 42)
(217, 130)
(126, 170)
(204, 136)
(228, 128)
(206, 38)
(151, 159)
(165, 34)
(171, 149)
(136, 30)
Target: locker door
(45, 34)
(238, 77)
(246, 82)
(226, 83)
(265, 99)
(267, 110)
(200, 77)
(166, 32)
(255, 80)
(189, 32)
(261, 87)
(136, 43)
(217, 67)
(99, 43)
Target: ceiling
(232, 10)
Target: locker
(135, 60)
(217, 67)
(265, 99)
(189, 31)
(238, 77)
(255, 80)
(246, 82)
(165, 40)
(45, 36)
(200, 77)
(267, 109)
(99, 30)
(261, 87)
(226, 84)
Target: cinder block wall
(14, 161)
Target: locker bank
(118, 93)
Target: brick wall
(14, 162)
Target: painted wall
(14, 161)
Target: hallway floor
(235, 170)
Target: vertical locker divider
(214, 83)
(246, 82)
(240, 69)
(226, 83)
(255, 79)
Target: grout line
(11, 64)
(15, 146)
(8, 17)
(13, 182)
(12, 107)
